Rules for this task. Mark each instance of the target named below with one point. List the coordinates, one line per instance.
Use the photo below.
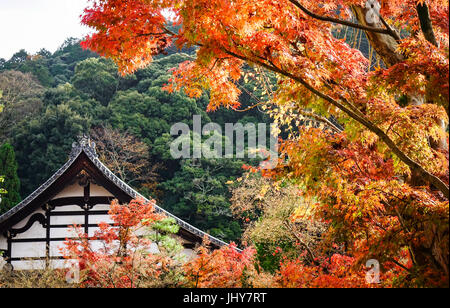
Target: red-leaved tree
(119, 255)
(381, 176)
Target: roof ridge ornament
(85, 144)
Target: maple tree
(123, 254)
(222, 268)
(335, 272)
(381, 178)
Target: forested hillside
(51, 99)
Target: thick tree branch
(388, 30)
(360, 118)
(354, 114)
(386, 46)
(425, 23)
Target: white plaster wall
(154, 249)
(67, 208)
(62, 233)
(96, 219)
(28, 264)
(37, 249)
(67, 220)
(23, 222)
(73, 190)
(36, 231)
(92, 231)
(61, 263)
(98, 246)
(3, 243)
(101, 207)
(28, 250)
(55, 248)
(2, 263)
(99, 191)
(143, 230)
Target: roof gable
(84, 157)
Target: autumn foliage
(118, 255)
(223, 268)
(380, 177)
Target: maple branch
(168, 31)
(290, 228)
(400, 265)
(425, 23)
(342, 98)
(249, 108)
(388, 30)
(151, 34)
(319, 118)
(353, 112)
(359, 117)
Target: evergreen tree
(47, 139)
(8, 170)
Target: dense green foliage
(83, 91)
(8, 170)
(198, 191)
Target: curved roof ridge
(134, 194)
(42, 187)
(88, 147)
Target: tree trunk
(436, 248)
(385, 45)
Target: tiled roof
(88, 147)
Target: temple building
(80, 193)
